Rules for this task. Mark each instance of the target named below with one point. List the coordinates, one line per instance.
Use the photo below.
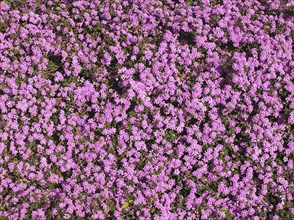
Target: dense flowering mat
(146, 109)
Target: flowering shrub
(146, 109)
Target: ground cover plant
(146, 109)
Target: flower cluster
(146, 109)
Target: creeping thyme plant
(146, 109)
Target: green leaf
(228, 214)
